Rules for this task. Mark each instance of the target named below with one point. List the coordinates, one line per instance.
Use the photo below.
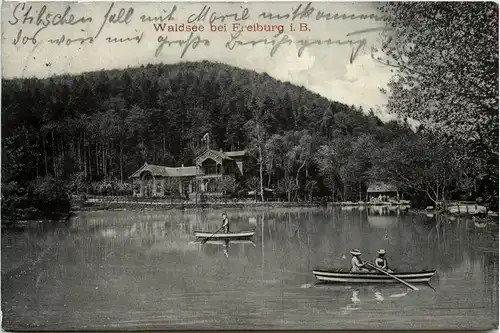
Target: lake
(134, 270)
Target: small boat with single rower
(224, 242)
(371, 277)
(241, 235)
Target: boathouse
(379, 191)
(210, 167)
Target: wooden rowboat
(225, 236)
(224, 242)
(369, 277)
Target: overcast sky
(322, 69)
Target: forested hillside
(102, 126)
(108, 123)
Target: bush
(77, 183)
(50, 196)
(110, 188)
(14, 199)
(44, 197)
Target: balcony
(210, 172)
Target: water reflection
(140, 270)
(387, 210)
(369, 296)
(353, 305)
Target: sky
(324, 69)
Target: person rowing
(225, 223)
(357, 264)
(381, 261)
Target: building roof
(210, 153)
(163, 171)
(381, 187)
(181, 171)
(236, 153)
(186, 171)
(221, 154)
(156, 170)
(226, 155)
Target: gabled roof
(156, 170)
(207, 153)
(381, 187)
(163, 171)
(222, 155)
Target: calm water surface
(140, 270)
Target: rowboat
(224, 242)
(371, 277)
(241, 235)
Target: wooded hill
(102, 126)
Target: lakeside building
(379, 191)
(203, 177)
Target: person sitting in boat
(381, 261)
(357, 264)
(225, 223)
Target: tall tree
(408, 161)
(257, 136)
(273, 150)
(445, 61)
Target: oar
(392, 276)
(206, 239)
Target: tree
(172, 186)
(445, 62)
(422, 163)
(287, 186)
(301, 154)
(311, 186)
(332, 160)
(68, 128)
(253, 183)
(290, 155)
(227, 183)
(359, 161)
(273, 149)
(51, 195)
(257, 140)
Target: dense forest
(75, 134)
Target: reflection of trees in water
(294, 240)
(387, 210)
(454, 240)
(489, 262)
(413, 242)
(35, 244)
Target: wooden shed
(380, 191)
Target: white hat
(356, 252)
(381, 251)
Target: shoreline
(128, 205)
(155, 205)
(106, 205)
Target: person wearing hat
(225, 223)
(381, 261)
(357, 264)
